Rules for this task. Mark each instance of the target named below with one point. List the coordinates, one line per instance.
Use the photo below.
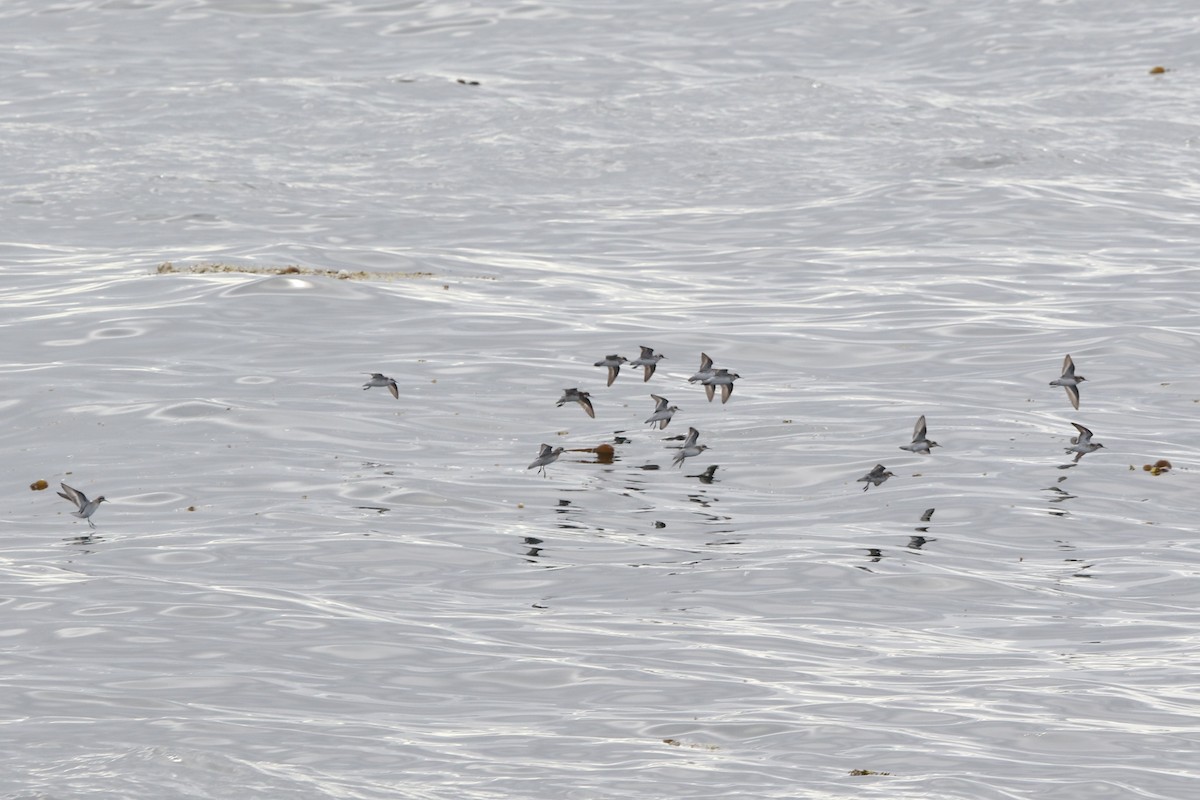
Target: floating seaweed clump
(677, 743)
(167, 268)
(1158, 467)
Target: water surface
(870, 212)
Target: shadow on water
(85, 541)
(876, 554)
(917, 542)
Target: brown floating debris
(39, 485)
(604, 452)
(694, 746)
(1158, 467)
(167, 268)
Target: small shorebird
(705, 371)
(86, 507)
(920, 443)
(875, 477)
(547, 455)
(723, 378)
(576, 396)
(1082, 444)
(662, 412)
(1070, 381)
(379, 379)
(690, 448)
(613, 363)
(647, 360)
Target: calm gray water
(869, 210)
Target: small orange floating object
(39, 485)
(1158, 467)
(604, 452)
(1158, 70)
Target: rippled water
(870, 211)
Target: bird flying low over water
(875, 477)
(662, 412)
(723, 378)
(379, 379)
(576, 396)
(1082, 444)
(85, 507)
(705, 371)
(547, 455)
(1070, 381)
(690, 448)
(920, 442)
(648, 360)
(613, 363)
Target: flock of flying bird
(710, 378)
(1081, 444)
